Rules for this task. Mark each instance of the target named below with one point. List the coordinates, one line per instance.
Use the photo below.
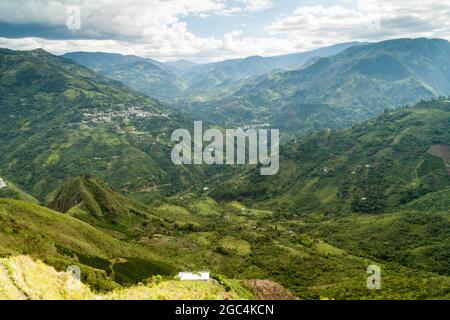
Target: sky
(212, 30)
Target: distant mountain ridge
(171, 80)
(211, 75)
(356, 84)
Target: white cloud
(156, 28)
(310, 26)
(148, 27)
(256, 5)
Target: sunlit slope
(22, 278)
(61, 241)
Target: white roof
(193, 276)
(2, 183)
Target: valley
(364, 178)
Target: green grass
(62, 240)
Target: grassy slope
(61, 240)
(93, 201)
(244, 243)
(198, 234)
(23, 278)
(416, 239)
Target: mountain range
(171, 80)
(352, 86)
(364, 174)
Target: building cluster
(107, 116)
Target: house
(2, 183)
(194, 276)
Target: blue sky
(210, 30)
(251, 23)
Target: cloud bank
(157, 28)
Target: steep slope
(147, 76)
(356, 84)
(60, 120)
(93, 201)
(61, 241)
(380, 165)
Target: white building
(194, 276)
(2, 183)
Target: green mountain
(381, 165)
(171, 80)
(90, 148)
(61, 120)
(93, 201)
(351, 86)
(229, 73)
(146, 76)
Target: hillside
(61, 240)
(22, 278)
(61, 120)
(12, 191)
(189, 232)
(417, 240)
(146, 76)
(354, 85)
(93, 201)
(247, 243)
(381, 165)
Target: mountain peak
(93, 195)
